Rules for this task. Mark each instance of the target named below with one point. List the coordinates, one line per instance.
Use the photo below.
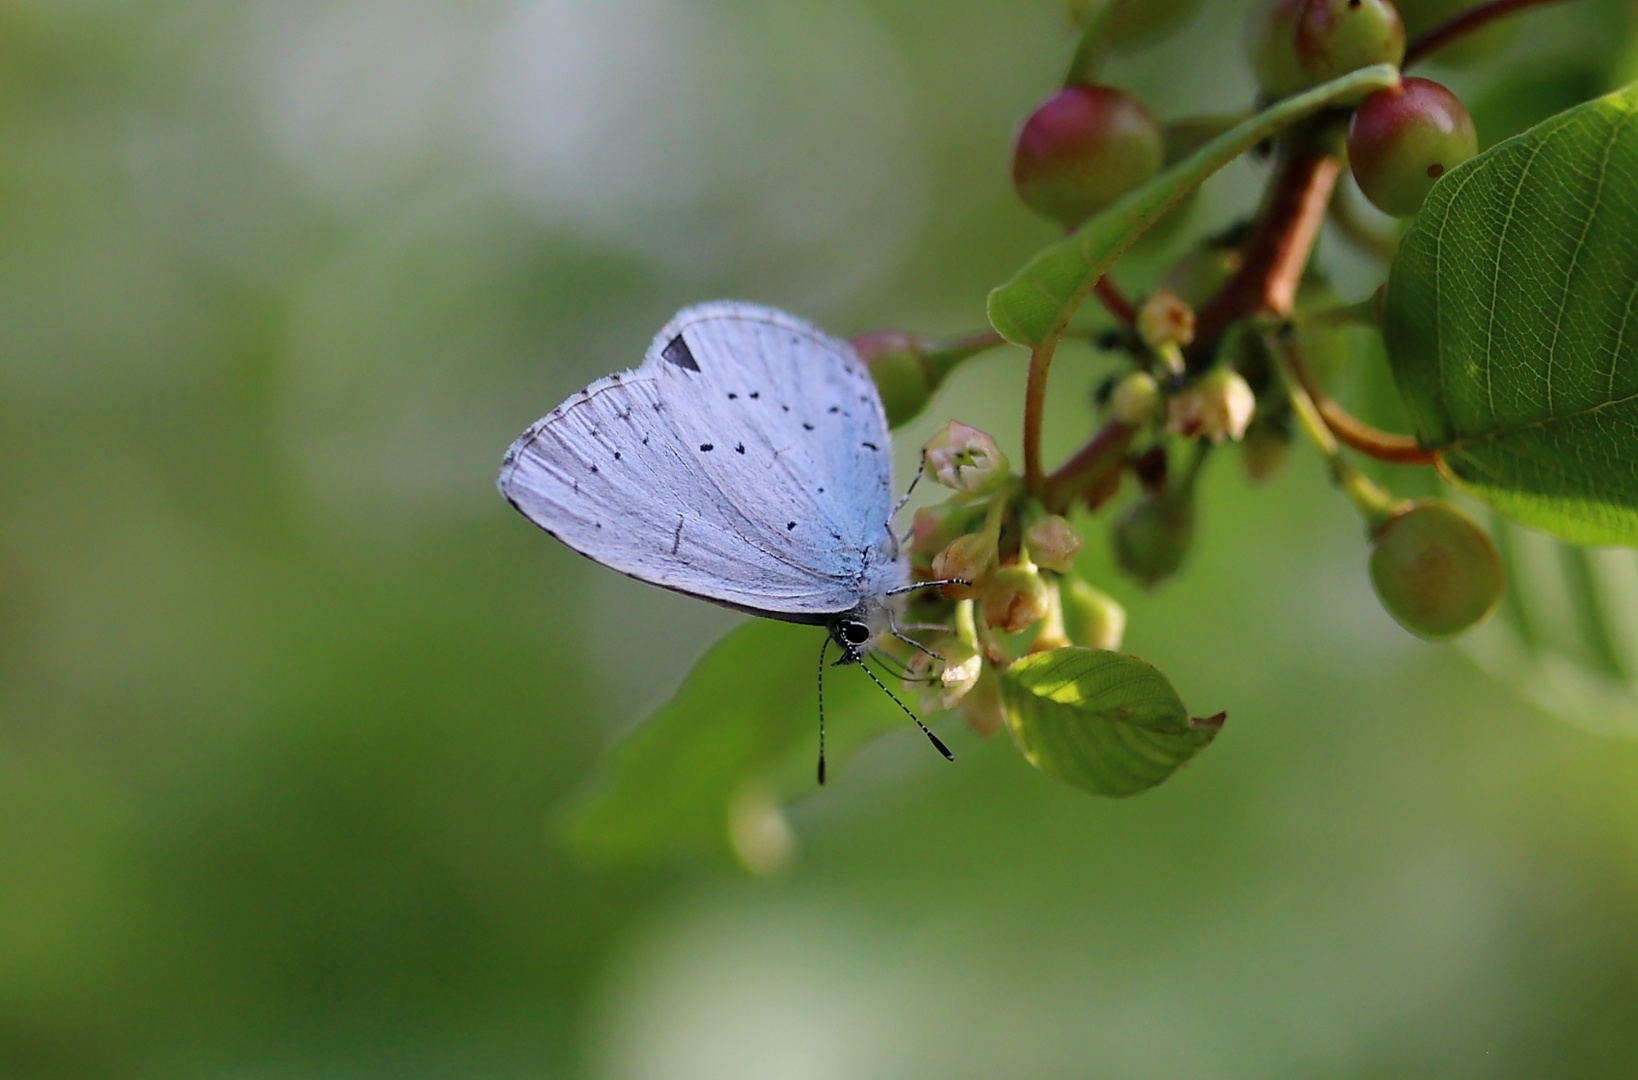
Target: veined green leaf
(1103, 721)
(1512, 324)
(1040, 299)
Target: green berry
(898, 365)
(1434, 570)
(1081, 150)
(1403, 139)
(1335, 37)
(1266, 446)
(1152, 535)
(1295, 44)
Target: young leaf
(1103, 721)
(1510, 324)
(1040, 299)
(745, 718)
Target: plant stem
(1040, 362)
(1465, 23)
(1344, 425)
(1274, 256)
(1373, 503)
(1114, 300)
(1104, 452)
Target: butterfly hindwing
(746, 462)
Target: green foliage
(744, 721)
(1040, 299)
(1508, 324)
(1103, 721)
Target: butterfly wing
(745, 462)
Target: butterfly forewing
(745, 462)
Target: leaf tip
(1208, 723)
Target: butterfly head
(857, 631)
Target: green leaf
(742, 730)
(1103, 721)
(1040, 299)
(1510, 324)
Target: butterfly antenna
(902, 589)
(823, 645)
(921, 467)
(934, 739)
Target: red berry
(1335, 37)
(1081, 150)
(1405, 138)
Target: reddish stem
(1104, 452)
(1114, 300)
(1352, 431)
(1273, 259)
(1463, 24)
(1040, 362)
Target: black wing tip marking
(676, 352)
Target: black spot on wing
(870, 445)
(676, 352)
(732, 396)
(707, 447)
(835, 408)
(739, 448)
(789, 525)
(807, 426)
(755, 394)
(617, 455)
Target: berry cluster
(1206, 367)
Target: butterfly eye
(856, 633)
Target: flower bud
(1217, 407)
(898, 365)
(965, 459)
(1165, 320)
(971, 558)
(1135, 400)
(982, 707)
(932, 528)
(1015, 600)
(1435, 571)
(941, 682)
(1092, 617)
(1052, 542)
(1152, 535)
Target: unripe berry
(1082, 149)
(1152, 535)
(1295, 44)
(1434, 570)
(1015, 599)
(1092, 617)
(1335, 37)
(1266, 446)
(1403, 139)
(983, 708)
(934, 527)
(1135, 399)
(898, 365)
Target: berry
(1152, 535)
(1081, 150)
(1015, 600)
(1295, 44)
(898, 365)
(1335, 37)
(1403, 139)
(1434, 570)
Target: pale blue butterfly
(746, 462)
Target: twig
(1103, 452)
(1348, 428)
(1465, 23)
(1114, 300)
(1277, 251)
(1040, 362)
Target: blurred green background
(290, 700)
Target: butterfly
(745, 462)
